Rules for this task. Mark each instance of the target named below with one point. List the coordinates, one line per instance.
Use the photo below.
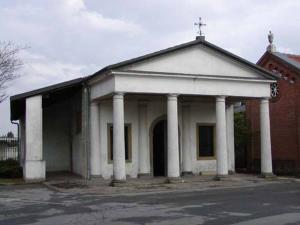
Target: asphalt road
(276, 204)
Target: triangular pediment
(198, 60)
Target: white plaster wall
(34, 128)
(190, 86)
(102, 88)
(56, 137)
(194, 60)
(200, 113)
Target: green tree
(241, 129)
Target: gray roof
(51, 88)
(288, 60)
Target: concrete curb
(173, 191)
(134, 187)
(52, 187)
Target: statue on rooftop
(271, 37)
(271, 47)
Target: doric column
(34, 167)
(95, 153)
(221, 145)
(265, 139)
(144, 154)
(119, 163)
(186, 141)
(173, 148)
(230, 137)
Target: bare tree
(10, 63)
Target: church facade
(168, 113)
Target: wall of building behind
(285, 128)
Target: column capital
(94, 103)
(229, 105)
(264, 100)
(220, 98)
(118, 95)
(172, 96)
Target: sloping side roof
(17, 102)
(266, 74)
(51, 88)
(294, 57)
(293, 60)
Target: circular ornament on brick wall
(275, 94)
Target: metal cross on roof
(200, 24)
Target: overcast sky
(74, 38)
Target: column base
(144, 175)
(174, 180)
(267, 175)
(34, 171)
(96, 177)
(220, 177)
(231, 172)
(187, 174)
(118, 183)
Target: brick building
(284, 113)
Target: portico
(180, 144)
(169, 113)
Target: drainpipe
(19, 140)
(85, 123)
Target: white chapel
(169, 113)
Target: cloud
(59, 28)
(40, 71)
(285, 50)
(75, 13)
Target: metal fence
(9, 148)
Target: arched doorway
(159, 148)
